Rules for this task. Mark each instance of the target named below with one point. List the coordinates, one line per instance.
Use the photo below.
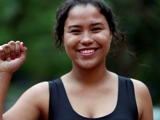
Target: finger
(7, 52)
(17, 49)
(12, 49)
(23, 48)
(2, 54)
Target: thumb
(23, 49)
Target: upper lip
(88, 48)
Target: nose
(86, 38)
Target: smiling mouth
(87, 51)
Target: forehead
(84, 6)
(84, 14)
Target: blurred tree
(140, 21)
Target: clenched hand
(12, 56)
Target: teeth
(87, 51)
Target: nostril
(86, 41)
(86, 37)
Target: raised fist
(12, 56)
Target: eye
(96, 29)
(75, 31)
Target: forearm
(12, 56)
(4, 84)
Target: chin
(87, 66)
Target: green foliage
(140, 22)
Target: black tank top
(61, 109)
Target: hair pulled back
(62, 14)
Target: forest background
(32, 21)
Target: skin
(88, 78)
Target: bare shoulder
(140, 87)
(143, 99)
(32, 105)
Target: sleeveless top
(61, 109)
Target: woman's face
(87, 36)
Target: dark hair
(62, 14)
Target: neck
(89, 76)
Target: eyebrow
(72, 26)
(97, 23)
(93, 24)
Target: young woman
(89, 91)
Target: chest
(96, 105)
(93, 103)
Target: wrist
(5, 76)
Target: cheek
(70, 40)
(70, 44)
(68, 51)
(103, 39)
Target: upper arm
(144, 102)
(32, 105)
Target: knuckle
(18, 42)
(5, 46)
(11, 42)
